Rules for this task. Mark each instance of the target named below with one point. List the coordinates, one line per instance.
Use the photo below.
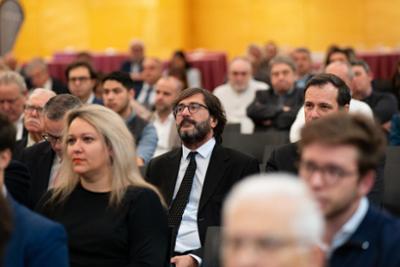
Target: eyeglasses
(192, 107)
(80, 79)
(330, 174)
(31, 108)
(52, 139)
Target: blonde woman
(112, 216)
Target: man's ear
(131, 93)
(214, 122)
(346, 108)
(366, 182)
(5, 158)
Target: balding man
(343, 71)
(134, 66)
(33, 118)
(167, 90)
(152, 71)
(39, 77)
(237, 94)
(13, 94)
(259, 233)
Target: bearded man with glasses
(195, 178)
(339, 155)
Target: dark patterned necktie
(182, 197)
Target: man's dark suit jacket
(285, 159)
(226, 167)
(58, 87)
(35, 241)
(127, 67)
(376, 242)
(39, 160)
(17, 181)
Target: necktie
(182, 197)
(146, 101)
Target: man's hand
(184, 261)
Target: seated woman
(182, 69)
(112, 216)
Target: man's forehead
(280, 66)
(113, 84)
(79, 70)
(10, 87)
(196, 98)
(327, 90)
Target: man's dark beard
(200, 131)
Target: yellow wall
(229, 25)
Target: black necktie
(182, 197)
(146, 101)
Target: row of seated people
(113, 217)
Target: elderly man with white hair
(33, 118)
(272, 220)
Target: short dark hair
(343, 96)
(362, 64)
(78, 64)
(281, 60)
(7, 133)
(121, 77)
(59, 105)
(348, 129)
(214, 108)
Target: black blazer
(39, 160)
(17, 181)
(58, 87)
(226, 167)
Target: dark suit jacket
(58, 87)
(39, 160)
(126, 67)
(286, 157)
(35, 240)
(376, 242)
(17, 181)
(226, 167)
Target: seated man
(35, 241)
(258, 232)
(304, 65)
(33, 119)
(383, 105)
(239, 92)
(118, 92)
(277, 108)
(339, 155)
(39, 77)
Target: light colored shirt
(90, 99)
(349, 228)
(19, 126)
(235, 104)
(48, 85)
(147, 88)
(188, 234)
(163, 133)
(355, 107)
(55, 170)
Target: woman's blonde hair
(119, 140)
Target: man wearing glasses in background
(43, 159)
(339, 155)
(12, 99)
(33, 119)
(195, 178)
(81, 79)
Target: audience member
(35, 241)
(336, 53)
(13, 94)
(81, 82)
(152, 71)
(270, 50)
(339, 155)
(343, 71)
(39, 77)
(277, 108)
(194, 179)
(33, 119)
(120, 218)
(258, 62)
(304, 66)
(394, 133)
(118, 93)
(180, 64)
(134, 66)
(167, 90)
(237, 94)
(43, 159)
(257, 232)
(383, 105)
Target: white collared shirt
(142, 95)
(188, 234)
(48, 85)
(349, 227)
(163, 131)
(19, 126)
(90, 99)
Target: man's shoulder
(290, 148)
(258, 85)
(222, 89)
(33, 151)
(357, 106)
